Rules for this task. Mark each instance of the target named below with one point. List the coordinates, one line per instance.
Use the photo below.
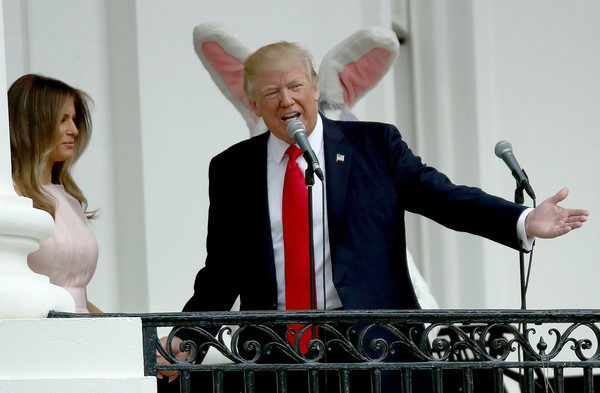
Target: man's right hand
(179, 354)
(549, 220)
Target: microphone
(297, 131)
(504, 151)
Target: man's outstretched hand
(549, 220)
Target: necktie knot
(293, 152)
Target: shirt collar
(276, 147)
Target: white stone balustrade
(23, 293)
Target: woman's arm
(93, 309)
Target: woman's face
(68, 132)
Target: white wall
(523, 72)
(542, 92)
(127, 155)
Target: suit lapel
(338, 158)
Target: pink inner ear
(230, 68)
(358, 77)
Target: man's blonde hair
(278, 56)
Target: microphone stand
(520, 199)
(309, 179)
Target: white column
(23, 293)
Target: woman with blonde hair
(50, 127)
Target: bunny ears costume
(347, 73)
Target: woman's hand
(93, 309)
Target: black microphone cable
(324, 228)
(530, 257)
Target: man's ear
(317, 91)
(254, 107)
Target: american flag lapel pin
(339, 158)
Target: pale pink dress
(70, 255)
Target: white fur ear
(356, 65)
(223, 55)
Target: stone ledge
(65, 348)
(79, 385)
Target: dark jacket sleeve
(426, 191)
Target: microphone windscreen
(501, 148)
(295, 126)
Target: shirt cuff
(525, 242)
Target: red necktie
(295, 242)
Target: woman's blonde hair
(36, 105)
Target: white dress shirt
(276, 167)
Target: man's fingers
(559, 196)
(568, 228)
(169, 374)
(172, 375)
(576, 219)
(183, 356)
(578, 212)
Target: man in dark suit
(372, 178)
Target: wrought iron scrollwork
(438, 342)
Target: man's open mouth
(290, 116)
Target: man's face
(282, 96)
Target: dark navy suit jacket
(368, 192)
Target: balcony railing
(451, 350)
